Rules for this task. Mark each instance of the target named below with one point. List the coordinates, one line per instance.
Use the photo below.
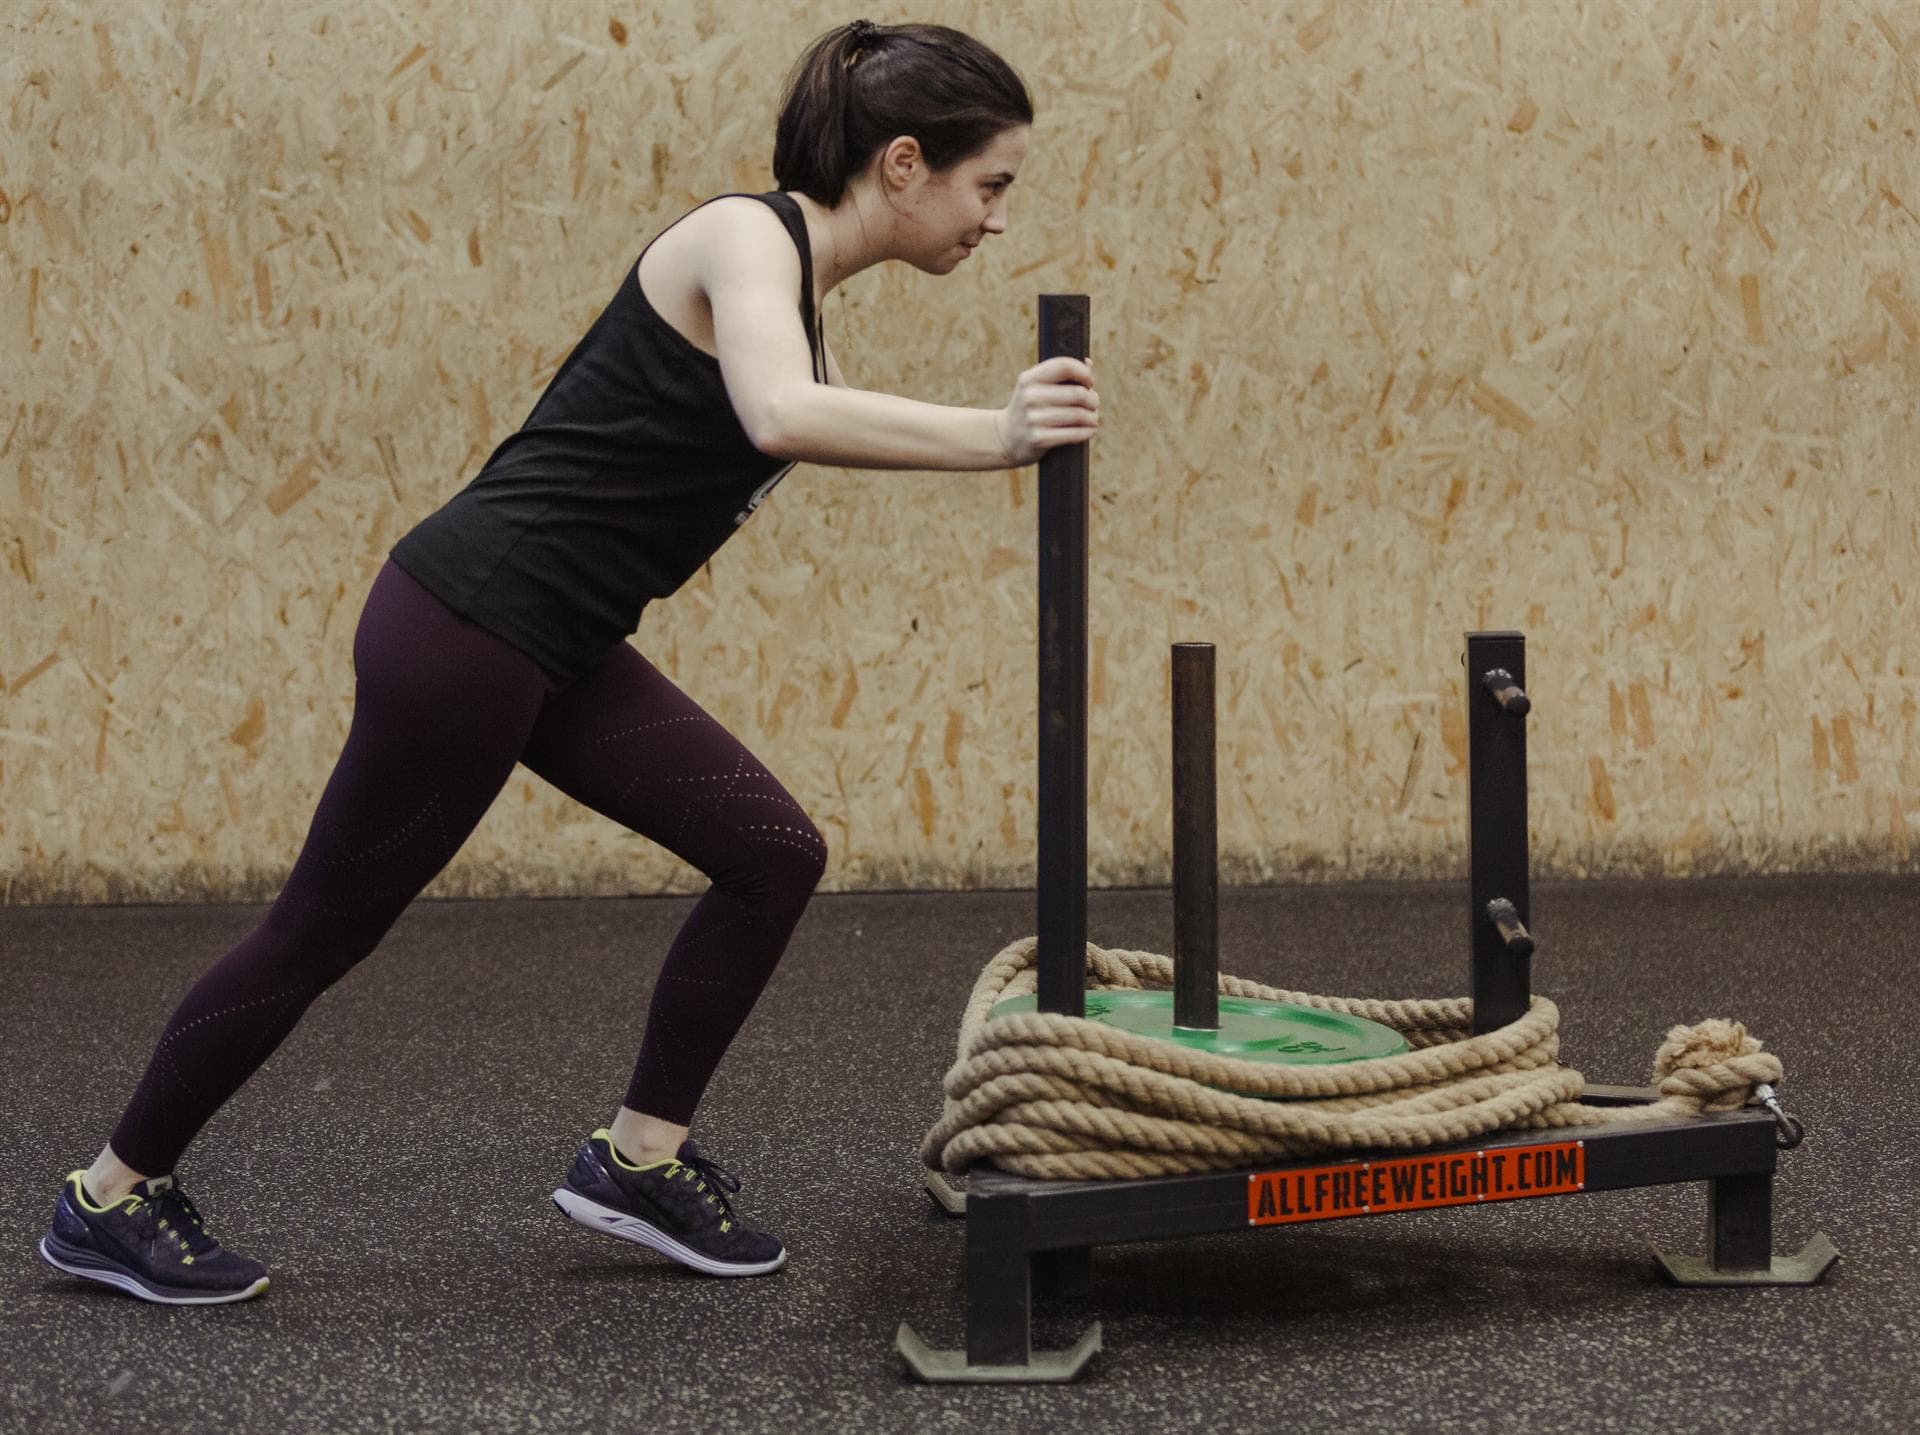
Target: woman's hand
(1053, 404)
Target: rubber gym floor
(392, 1165)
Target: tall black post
(1062, 798)
(1196, 870)
(1497, 707)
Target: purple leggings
(442, 712)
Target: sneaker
(150, 1243)
(679, 1207)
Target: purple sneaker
(679, 1207)
(150, 1243)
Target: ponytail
(860, 86)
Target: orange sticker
(1415, 1183)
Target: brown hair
(862, 85)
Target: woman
(494, 636)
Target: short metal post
(1740, 1222)
(999, 1281)
(1061, 875)
(1498, 916)
(1740, 1241)
(1196, 869)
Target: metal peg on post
(1506, 921)
(1508, 693)
(1061, 869)
(1196, 871)
(1498, 915)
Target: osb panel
(1599, 320)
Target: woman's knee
(322, 935)
(781, 859)
(794, 851)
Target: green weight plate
(1275, 1032)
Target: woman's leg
(629, 744)
(441, 711)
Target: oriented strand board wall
(1597, 318)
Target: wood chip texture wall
(1598, 319)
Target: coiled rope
(1064, 1098)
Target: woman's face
(948, 212)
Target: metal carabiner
(1789, 1133)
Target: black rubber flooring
(392, 1165)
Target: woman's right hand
(1053, 404)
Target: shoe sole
(596, 1217)
(78, 1263)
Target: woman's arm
(751, 273)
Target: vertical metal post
(1740, 1223)
(999, 1280)
(1061, 878)
(1497, 705)
(1196, 870)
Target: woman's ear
(901, 162)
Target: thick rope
(1057, 1097)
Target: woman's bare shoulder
(675, 270)
(737, 228)
(730, 218)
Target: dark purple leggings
(442, 712)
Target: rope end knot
(1715, 1063)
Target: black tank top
(630, 472)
